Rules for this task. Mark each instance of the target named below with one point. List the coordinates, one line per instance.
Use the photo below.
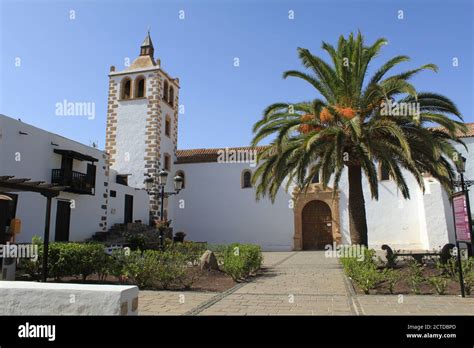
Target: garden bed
(206, 281)
(404, 287)
(373, 276)
(176, 267)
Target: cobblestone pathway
(297, 283)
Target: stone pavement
(297, 283)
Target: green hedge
(67, 259)
(241, 260)
(150, 269)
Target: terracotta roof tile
(211, 155)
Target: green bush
(153, 269)
(141, 268)
(66, 260)
(415, 276)
(172, 267)
(241, 260)
(439, 283)
(469, 282)
(191, 251)
(392, 277)
(363, 272)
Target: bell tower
(142, 121)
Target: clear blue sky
(70, 59)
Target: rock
(209, 261)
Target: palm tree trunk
(357, 217)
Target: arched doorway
(317, 225)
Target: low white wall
(32, 298)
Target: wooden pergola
(9, 183)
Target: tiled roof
(470, 131)
(211, 155)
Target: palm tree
(357, 123)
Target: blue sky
(70, 59)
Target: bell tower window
(126, 88)
(171, 95)
(165, 90)
(140, 87)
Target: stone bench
(33, 298)
(444, 254)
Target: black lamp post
(162, 178)
(465, 189)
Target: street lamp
(461, 166)
(162, 178)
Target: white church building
(217, 204)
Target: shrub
(34, 268)
(137, 241)
(241, 260)
(440, 284)
(416, 276)
(192, 251)
(469, 282)
(367, 277)
(141, 268)
(67, 259)
(364, 272)
(392, 277)
(91, 258)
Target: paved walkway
(297, 283)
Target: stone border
(356, 308)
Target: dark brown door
(317, 225)
(63, 219)
(128, 214)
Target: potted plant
(179, 237)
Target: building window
(384, 173)
(168, 126)
(181, 174)
(171, 100)
(126, 88)
(113, 193)
(139, 87)
(122, 179)
(167, 162)
(165, 91)
(246, 179)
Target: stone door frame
(315, 193)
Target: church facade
(217, 204)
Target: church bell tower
(142, 121)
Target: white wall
(37, 159)
(116, 206)
(217, 210)
(130, 135)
